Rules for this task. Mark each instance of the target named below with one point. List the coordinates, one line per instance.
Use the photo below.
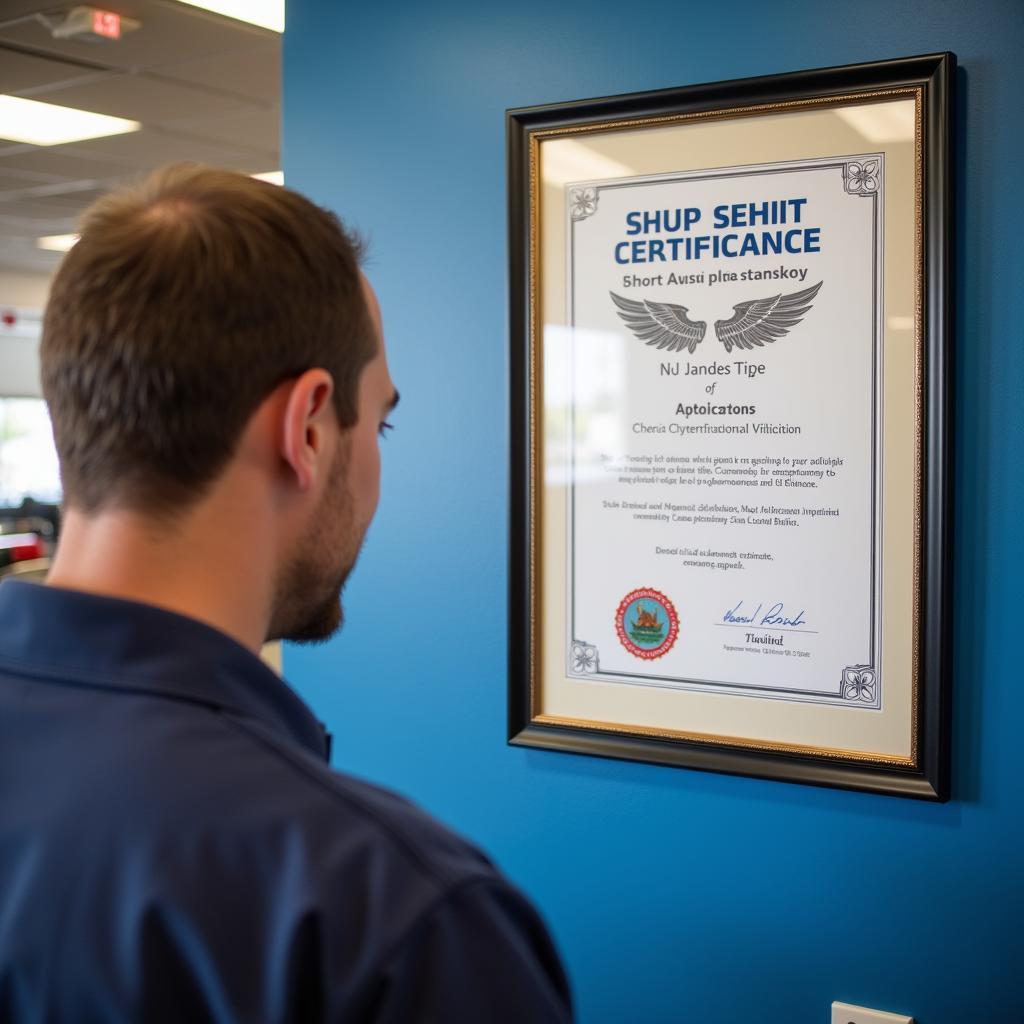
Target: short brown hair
(187, 300)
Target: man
(173, 846)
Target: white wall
(22, 289)
(22, 298)
(19, 368)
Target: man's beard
(307, 602)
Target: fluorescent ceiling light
(265, 13)
(274, 177)
(57, 243)
(47, 124)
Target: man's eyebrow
(393, 402)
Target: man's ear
(307, 421)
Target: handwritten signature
(775, 616)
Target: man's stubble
(307, 601)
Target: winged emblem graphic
(663, 324)
(760, 321)
(754, 323)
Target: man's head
(208, 324)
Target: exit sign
(106, 24)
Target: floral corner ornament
(859, 683)
(584, 658)
(582, 203)
(862, 177)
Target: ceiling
(204, 88)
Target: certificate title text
(773, 227)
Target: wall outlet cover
(847, 1013)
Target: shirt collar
(98, 640)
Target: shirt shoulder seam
(326, 782)
(63, 676)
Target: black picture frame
(929, 77)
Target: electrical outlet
(845, 1013)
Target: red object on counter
(20, 547)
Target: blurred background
(91, 97)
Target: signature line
(750, 626)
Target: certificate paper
(724, 503)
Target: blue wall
(674, 895)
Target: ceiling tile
(254, 72)
(254, 129)
(148, 149)
(48, 208)
(56, 162)
(19, 71)
(15, 182)
(139, 98)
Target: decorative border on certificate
(861, 176)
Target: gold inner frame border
(535, 445)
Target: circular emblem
(647, 623)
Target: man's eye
(384, 428)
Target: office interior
(672, 894)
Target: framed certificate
(730, 310)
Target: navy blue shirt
(174, 847)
